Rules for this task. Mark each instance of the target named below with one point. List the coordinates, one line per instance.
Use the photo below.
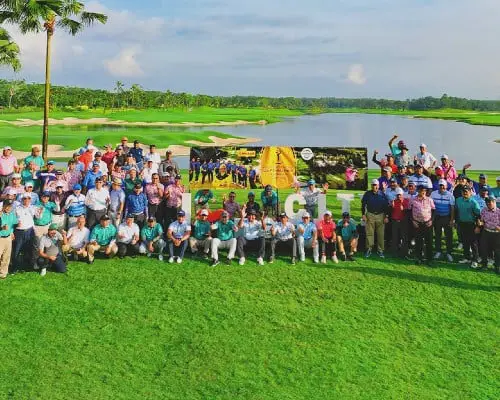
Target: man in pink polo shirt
(8, 165)
(449, 171)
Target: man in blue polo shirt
(444, 218)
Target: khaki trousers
(5, 252)
(195, 244)
(67, 249)
(352, 245)
(375, 226)
(92, 248)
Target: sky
(394, 49)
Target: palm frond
(70, 25)
(89, 18)
(71, 8)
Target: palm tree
(119, 89)
(45, 15)
(9, 51)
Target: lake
(463, 143)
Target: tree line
(17, 94)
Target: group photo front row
(125, 201)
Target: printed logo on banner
(307, 154)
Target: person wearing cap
(475, 185)
(192, 165)
(399, 224)
(496, 191)
(31, 174)
(152, 239)
(449, 171)
(36, 158)
(201, 238)
(136, 205)
(43, 217)
(251, 204)
(178, 234)
(127, 238)
(396, 148)
(204, 172)
(403, 182)
(97, 201)
(444, 219)
(173, 200)
(243, 175)
(8, 221)
(118, 173)
(148, 171)
(58, 182)
(154, 156)
(270, 201)
(307, 237)
(467, 213)
(79, 166)
(224, 232)
(130, 164)
(116, 202)
(392, 190)
(481, 196)
(167, 162)
(384, 180)
(124, 145)
(437, 176)
(103, 239)
(131, 181)
(154, 192)
(28, 188)
(311, 196)
(403, 159)
(25, 240)
(58, 214)
(202, 198)
(490, 240)
(86, 158)
(75, 241)
(103, 166)
(460, 184)
(72, 176)
(108, 157)
(283, 235)
(387, 163)
(327, 234)
(74, 206)
(138, 155)
(424, 158)
(210, 170)
(8, 166)
(421, 211)
(89, 182)
(120, 157)
(49, 252)
(420, 179)
(15, 186)
(230, 205)
(252, 236)
(375, 209)
(89, 146)
(347, 237)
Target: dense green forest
(19, 94)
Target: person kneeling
(178, 235)
(307, 237)
(151, 236)
(225, 239)
(283, 235)
(102, 239)
(347, 237)
(128, 237)
(328, 238)
(76, 239)
(49, 254)
(253, 236)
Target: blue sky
(350, 48)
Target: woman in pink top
(450, 173)
(326, 230)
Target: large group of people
(125, 201)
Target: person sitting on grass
(152, 239)
(200, 239)
(103, 239)
(49, 252)
(178, 234)
(75, 241)
(253, 236)
(128, 238)
(327, 234)
(283, 235)
(224, 229)
(347, 237)
(307, 237)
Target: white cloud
(78, 50)
(125, 64)
(356, 74)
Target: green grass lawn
(137, 329)
(200, 115)
(467, 116)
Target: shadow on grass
(435, 280)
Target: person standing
(97, 201)
(444, 219)
(178, 234)
(490, 240)
(421, 209)
(91, 177)
(399, 224)
(374, 209)
(8, 165)
(75, 206)
(127, 238)
(154, 156)
(173, 201)
(49, 251)
(154, 192)
(425, 159)
(43, 216)
(152, 239)
(136, 205)
(311, 196)
(25, 241)
(307, 238)
(138, 155)
(225, 229)
(467, 212)
(253, 236)
(36, 158)
(283, 235)
(8, 221)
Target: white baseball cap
(399, 191)
(328, 213)
(423, 145)
(443, 182)
(204, 212)
(7, 148)
(375, 182)
(307, 215)
(445, 156)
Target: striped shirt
(421, 209)
(443, 202)
(491, 218)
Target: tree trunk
(46, 108)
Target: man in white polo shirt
(25, 241)
(253, 236)
(97, 201)
(76, 239)
(128, 237)
(424, 158)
